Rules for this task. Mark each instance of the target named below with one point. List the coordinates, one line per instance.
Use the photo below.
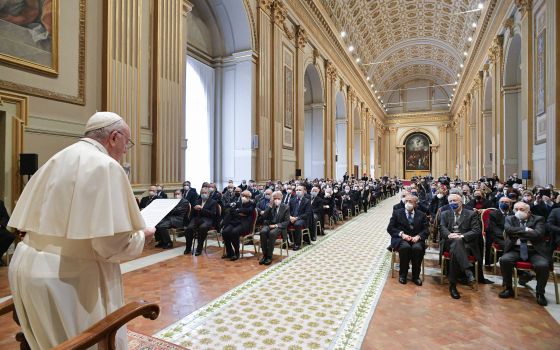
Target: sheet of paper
(157, 210)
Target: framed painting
(29, 35)
(417, 155)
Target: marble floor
(405, 316)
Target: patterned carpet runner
(320, 298)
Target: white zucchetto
(101, 119)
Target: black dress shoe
(160, 245)
(402, 279)
(225, 256)
(262, 261)
(541, 300)
(187, 251)
(233, 258)
(168, 246)
(296, 247)
(485, 281)
(197, 253)
(506, 293)
(454, 292)
(417, 281)
(267, 262)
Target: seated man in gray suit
(276, 219)
(525, 241)
(461, 234)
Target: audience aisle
(323, 296)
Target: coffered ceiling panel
(396, 39)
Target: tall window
(199, 118)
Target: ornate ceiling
(406, 39)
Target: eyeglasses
(129, 142)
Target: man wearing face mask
(276, 220)
(229, 196)
(347, 202)
(237, 222)
(300, 214)
(400, 205)
(243, 185)
(525, 241)
(461, 234)
(535, 208)
(263, 204)
(203, 214)
(81, 220)
(408, 228)
(495, 230)
(176, 218)
(317, 208)
(478, 203)
(229, 187)
(159, 192)
(146, 200)
(189, 193)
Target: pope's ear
(113, 137)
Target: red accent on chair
(448, 256)
(524, 265)
(485, 218)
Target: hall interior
(215, 90)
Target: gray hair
(457, 191)
(277, 194)
(101, 134)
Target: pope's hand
(149, 233)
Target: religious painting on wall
(540, 80)
(417, 152)
(29, 34)
(288, 134)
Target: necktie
(523, 248)
(410, 219)
(297, 206)
(275, 213)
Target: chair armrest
(104, 331)
(6, 307)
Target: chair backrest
(187, 210)
(254, 216)
(485, 219)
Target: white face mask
(151, 193)
(178, 196)
(244, 200)
(277, 202)
(521, 215)
(409, 206)
(440, 195)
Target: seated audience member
(317, 209)
(495, 230)
(189, 193)
(145, 201)
(552, 227)
(328, 205)
(288, 195)
(536, 207)
(276, 219)
(400, 204)
(461, 235)
(479, 202)
(228, 196)
(215, 195)
(160, 193)
(437, 202)
(229, 187)
(525, 241)
(300, 212)
(243, 185)
(203, 215)
(174, 219)
(347, 202)
(409, 230)
(263, 204)
(237, 222)
(513, 179)
(6, 237)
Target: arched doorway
(487, 129)
(341, 129)
(314, 109)
(512, 107)
(357, 153)
(417, 155)
(219, 93)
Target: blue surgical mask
(454, 206)
(504, 206)
(204, 196)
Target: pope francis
(81, 219)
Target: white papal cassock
(81, 220)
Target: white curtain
(199, 116)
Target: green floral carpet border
(323, 297)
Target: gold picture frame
(29, 36)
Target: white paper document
(157, 210)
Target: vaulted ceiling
(402, 40)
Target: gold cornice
(523, 6)
(279, 13)
(417, 119)
(508, 24)
(301, 38)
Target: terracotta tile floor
(407, 316)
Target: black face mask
(237, 194)
(478, 197)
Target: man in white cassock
(81, 219)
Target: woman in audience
(237, 222)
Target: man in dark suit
(400, 205)
(160, 193)
(288, 196)
(479, 202)
(495, 230)
(525, 241)
(409, 230)
(145, 201)
(317, 209)
(553, 227)
(189, 193)
(174, 219)
(276, 221)
(202, 218)
(461, 234)
(513, 179)
(347, 202)
(237, 222)
(6, 237)
(300, 212)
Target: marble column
(496, 58)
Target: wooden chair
(446, 257)
(495, 249)
(527, 266)
(214, 229)
(394, 259)
(101, 333)
(180, 231)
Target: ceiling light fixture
(470, 38)
(474, 24)
(371, 86)
(458, 75)
(461, 65)
(367, 78)
(465, 53)
(480, 6)
(375, 90)
(358, 60)
(343, 34)
(351, 48)
(455, 82)
(449, 105)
